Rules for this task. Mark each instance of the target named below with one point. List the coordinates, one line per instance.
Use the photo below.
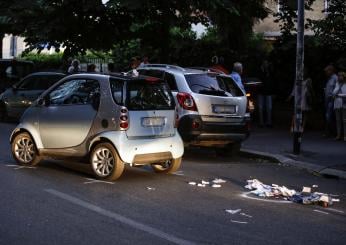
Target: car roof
(122, 76)
(46, 73)
(173, 69)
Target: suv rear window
(212, 84)
(149, 95)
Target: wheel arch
(102, 139)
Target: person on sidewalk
(306, 100)
(339, 105)
(74, 68)
(328, 96)
(264, 98)
(236, 74)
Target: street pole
(297, 136)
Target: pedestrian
(265, 93)
(135, 62)
(236, 74)
(91, 68)
(111, 67)
(145, 61)
(306, 99)
(329, 100)
(340, 104)
(74, 68)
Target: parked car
(12, 70)
(111, 119)
(15, 100)
(212, 109)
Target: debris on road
(151, 188)
(215, 183)
(219, 181)
(246, 215)
(231, 211)
(216, 186)
(282, 192)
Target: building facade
(271, 30)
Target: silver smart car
(111, 119)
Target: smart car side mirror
(43, 101)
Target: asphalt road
(61, 203)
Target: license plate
(225, 109)
(153, 121)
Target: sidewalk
(323, 155)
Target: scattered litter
(216, 183)
(239, 222)
(151, 188)
(246, 215)
(281, 192)
(306, 189)
(179, 173)
(233, 211)
(219, 181)
(315, 186)
(205, 182)
(216, 186)
(319, 211)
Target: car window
(149, 95)
(212, 84)
(170, 79)
(117, 90)
(76, 91)
(38, 82)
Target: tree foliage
(331, 31)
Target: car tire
(167, 167)
(105, 162)
(24, 150)
(229, 150)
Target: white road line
(91, 181)
(16, 167)
(239, 222)
(319, 211)
(335, 210)
(120, 218)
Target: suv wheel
(24, 150)
(105, 162)
(167, 167)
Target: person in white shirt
(339, 94)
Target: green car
(15, 100)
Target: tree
(75, 25)
(331, 31)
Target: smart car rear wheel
(169, 166)
(24, 150)
(105, 162)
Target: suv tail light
(250, 107)
(124, 118)
(186, 101)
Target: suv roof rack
(164, 66)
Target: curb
(313, 168)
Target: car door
(68, 116)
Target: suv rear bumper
(194, 130)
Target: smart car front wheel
(24, 150)
(105, 162)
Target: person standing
(328, 97)
(339, 105)
(74, 68)
(265, 95)
(307, 99)
(236, 74)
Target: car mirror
(43, 101)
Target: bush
(45, 62)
